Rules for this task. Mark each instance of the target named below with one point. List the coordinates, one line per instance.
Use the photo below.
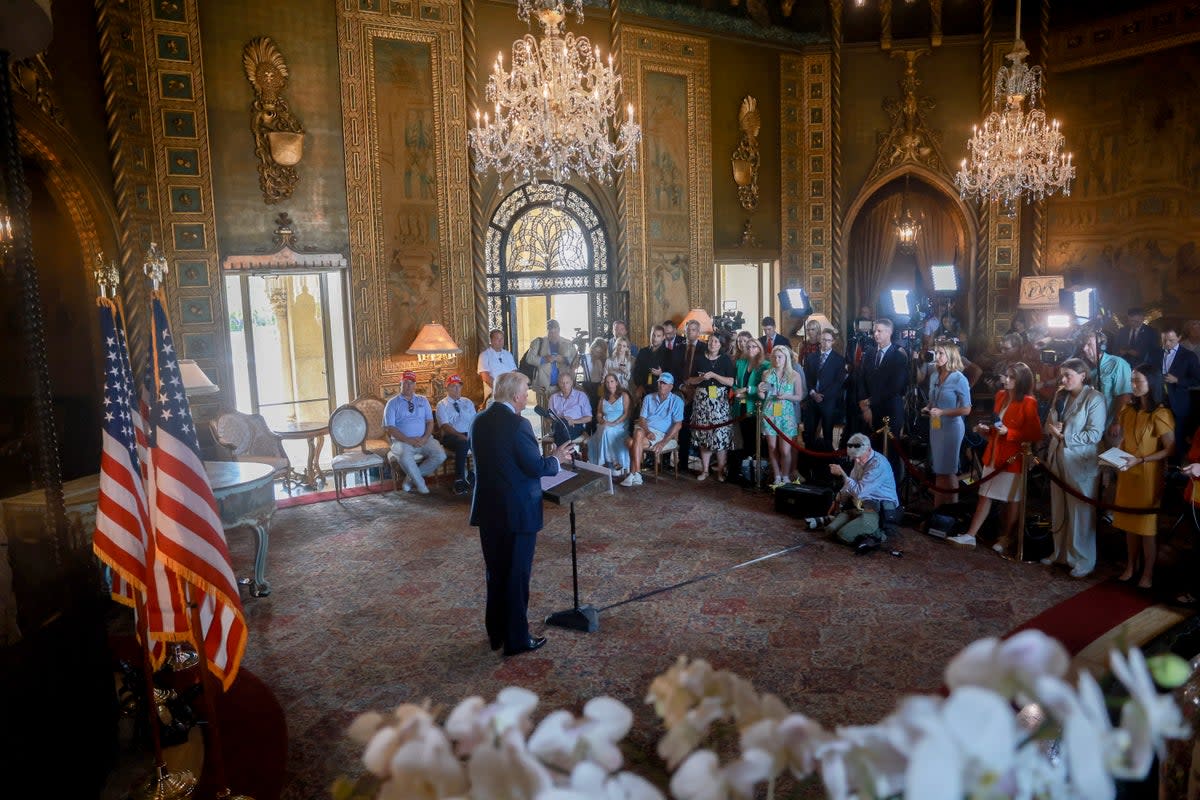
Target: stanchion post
(887, 427)
(1026, 457)
(758, 434)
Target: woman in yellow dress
(1148, 436)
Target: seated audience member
(1148, 436)
(572, 407)
(659, 423)
(455, 414)
(650, 363)
(620, 362)
(608, 447)
(1075, 424)
(408, 423)
(494, 361)
(1015, 422)
(866, 494)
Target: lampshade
(701, 316)
(195, 382)
(433, 340)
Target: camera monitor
(945, 277)
(795, 301)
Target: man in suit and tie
(671, 338)
(825, 374)
(882, 382)
(1181, 373)
(1137, 341)
(771, 337)
(507, 509)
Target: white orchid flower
(473, 721)
(504, 769)
(561, 740)
(590, 782)
(1087, 735)
(690, 730)
(972, 745)
(681, 687)
(701, 777)
(364, 727)
(1010, 667)
(425, 765)
(1147, 717)
(800, 737)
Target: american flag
(187, 527)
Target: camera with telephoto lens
(729, 323)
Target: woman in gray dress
(949, 405)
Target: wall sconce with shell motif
(745, 156)
(278, 135)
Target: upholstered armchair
(247, 437)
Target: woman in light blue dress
(949, 405)
(607, 445)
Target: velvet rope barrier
(801, 448)
(921, 478)
(1144, 510)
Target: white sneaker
(633, 479)
(407, 485)
(1048, 561)
(1079, 572)
(422, 489)
(964, 539)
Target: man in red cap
(408, 422)
(455, 414)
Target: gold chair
(372, 409)
(348, 430)
(247, 437)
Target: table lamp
(435, 344)
(195, 382)
(701, 316)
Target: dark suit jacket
(886, 384)
(1144, 341)
(779, 339)
(678, 366)
(1185, 367)
(647, 359)
(829, 381)
(508, 469)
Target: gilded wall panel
(791, 155)
(155, 100)
(815, 210)
(669, 209)
(404, 127)
(1129, 226)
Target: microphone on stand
(550, 414)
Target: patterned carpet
(379, 600)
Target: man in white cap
(661, 419)
(867, 492)
(455, 414)
(408, 422)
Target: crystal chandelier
(556, 111)
(907, 226)
(1016, 152)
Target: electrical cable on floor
(699, 578)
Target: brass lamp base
(164, 784)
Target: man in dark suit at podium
(825, 376)
(882, 382)
(507, 509)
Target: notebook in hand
(1115, 457)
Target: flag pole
(162, 783)
(210, 703)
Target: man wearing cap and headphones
(867, 492)
(455, 414)
(408, 422)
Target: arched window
(547, 258)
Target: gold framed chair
(348, 431)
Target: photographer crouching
(867, 492)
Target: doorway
(749, 287)
(289, 338)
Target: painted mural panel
(406, 177)
(1130, 225)
(668, 189)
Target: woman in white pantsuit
(1076, 426)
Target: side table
(314, 434)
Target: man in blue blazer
(1137, 342)
(825, 377)
(1181, 373)
(507, 509)
(882, 382)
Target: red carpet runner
(1084, 618)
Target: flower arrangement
(988, 739)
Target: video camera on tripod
(1080, 317)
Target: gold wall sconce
(278, 135)
(745, 157)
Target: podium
(579, 486)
